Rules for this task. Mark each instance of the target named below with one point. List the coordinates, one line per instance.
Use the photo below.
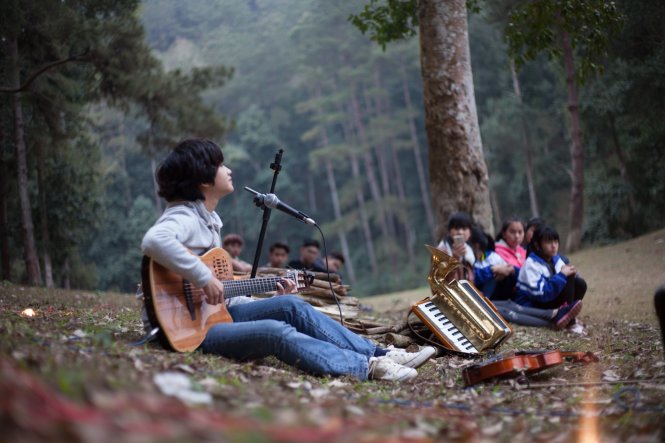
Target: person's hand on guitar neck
(287, 286)
(214, 292)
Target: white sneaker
(410, 359)
(577, 328)
(383, 368)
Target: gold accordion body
(457, 313)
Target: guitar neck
(236, 288)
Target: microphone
(271, 201)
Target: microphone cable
(325, 252)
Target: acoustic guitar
(180, 309)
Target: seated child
(530, 227)
(490, 268)
(454, 244)
(545, 281)
(508, 243)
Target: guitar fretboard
(235, 288)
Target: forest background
(258, 76)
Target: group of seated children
(278, 256)
(532, 287)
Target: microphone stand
(276, 166)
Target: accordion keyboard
(446, 331)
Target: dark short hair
(460, 220)
(541, 234)
(192, 162)
(280, 245)
(311, 242)
(338, 255)
(535, 222)
(482, 239)
(230, 239)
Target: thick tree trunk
(415, 146)
(458, 174)
(27, 226)
(576, 151)
(533, 199)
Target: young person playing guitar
(193, 178)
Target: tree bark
(415, 146)
(458, 174)
(576, 214)
(528, 159)
(43, 221)
(4, 230)
(27, 226)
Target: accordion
(461, 318)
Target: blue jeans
(290, 329)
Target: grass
(77, 348)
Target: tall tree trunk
(576, 151)
(332, 184)
(27, 226)
(496, 209)
(360, 199)
(533, 199)
(66, 278)
(374, 188)
(623, 169)
(408, 227)
(392, 173)
(4, 192)
(337, 208)
(458, 174)
(311, 194)
(43, 221)
(153, 168)
(415, 146)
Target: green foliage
(387, 20)
(536, 26)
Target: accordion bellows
(457, 313)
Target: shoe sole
(570, 315)
(419, 360)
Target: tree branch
(45, 68)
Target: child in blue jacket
(490, 271)
(545, 280)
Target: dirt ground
(70, 373)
